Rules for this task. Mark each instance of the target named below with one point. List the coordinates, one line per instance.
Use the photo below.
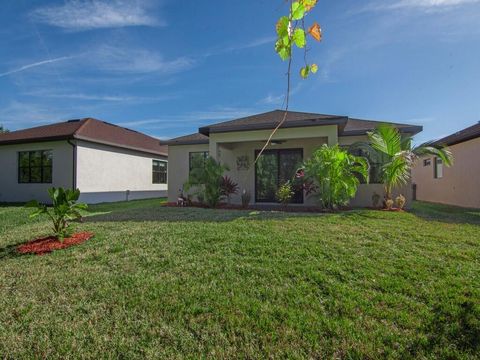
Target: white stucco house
(105, 161)
(237, 143)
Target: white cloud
(425, 5)
(130, 60)
(36, 64)
(78, 15)
(103, 98)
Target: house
(106, 162)
(237, 143)
(456, 185)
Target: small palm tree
(398, 155)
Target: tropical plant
(206, 180)
(285, 193)
(3, 130)
(336, 174)
(228, 187)
(64, 209)
(400, 201)
(246, 197)
(398, 155)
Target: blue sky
(166, 67)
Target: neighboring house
(236, 143)
(106, 162)
(456, 185)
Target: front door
(274, 168)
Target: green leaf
(298, 11)
(314, 68)
(282, 27)
(299, 38)
(282, 50)
(304, 71)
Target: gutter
(74, 162)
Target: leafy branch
(291, 34)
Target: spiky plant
(398, 155)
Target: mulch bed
(48, 244)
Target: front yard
(161, 282)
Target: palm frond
(440, 151)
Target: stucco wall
(460, 184)
(227, 151)
(12, 191)
(105, 173)
(178, 157)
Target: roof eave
(36, 140)
(340, 121)
(404, 130)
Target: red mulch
(46, 245)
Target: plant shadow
(10, 251)
(187, 214)
(446, 213)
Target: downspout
(74, 162)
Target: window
(35, 167)
(197, 159)
(374, 163)
(274, 168)
(159, 172)
(438, 168)
(427, 162)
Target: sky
(167, 67)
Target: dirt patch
(48, 244)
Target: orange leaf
(315, 31)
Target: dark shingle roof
(87, 129)
(191, 139)
(269, 120)
(469, 133)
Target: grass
(161, 282)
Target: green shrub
(206, 180)
(64, 209)
(285, 193)
(336, 175)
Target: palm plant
(336, 174)
(398, 155)
(207, 177)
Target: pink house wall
(460, 184)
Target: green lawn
(161, 282)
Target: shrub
(228, 187)
(285, 193)
(336, 175)
(206, 179)
(400, 201)
(64, 209)
(375, 199)
(246, 196)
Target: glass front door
(273, 168)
